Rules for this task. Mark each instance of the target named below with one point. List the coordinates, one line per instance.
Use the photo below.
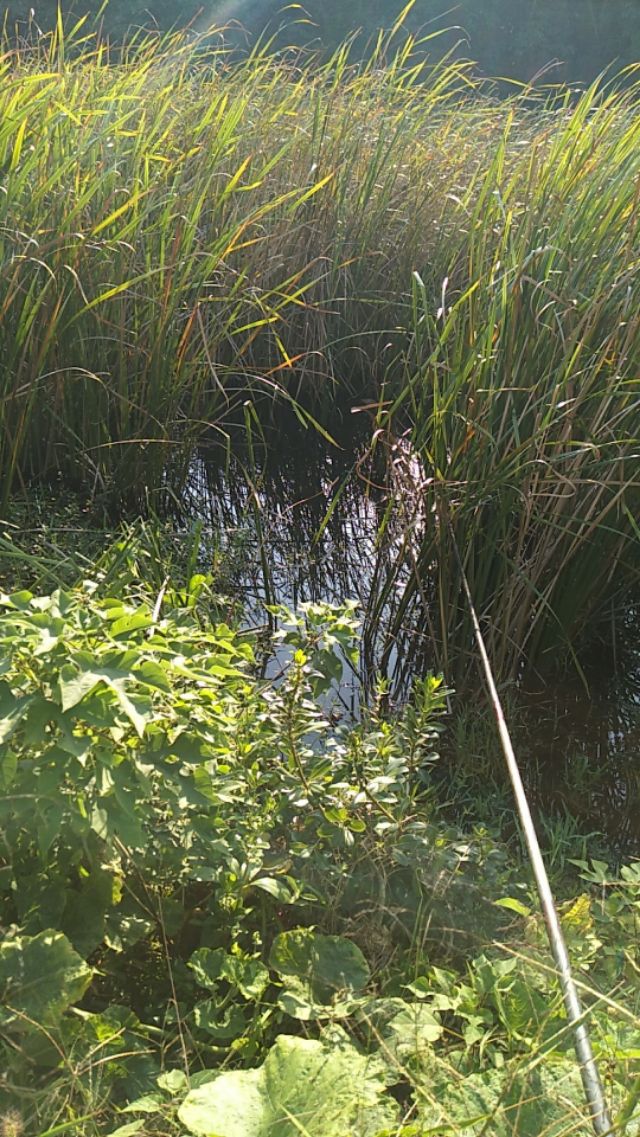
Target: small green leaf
(21, 601)
(128, 1130)
(513, 905)
(148, 1103)
(173, 1082)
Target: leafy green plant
(305, 1086)
(323, 976)
(134, 736)
(217, 901)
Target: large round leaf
(303, 1086)
(40, 978)
(321, 974)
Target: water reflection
(307, 521)
(586, 746)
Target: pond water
(310, 521)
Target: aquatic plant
(188, 242)
(180, 231)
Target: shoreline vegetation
(218, 898)
(191, 245)
(549, 41)
(227, 907)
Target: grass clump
(521, 390)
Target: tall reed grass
(176, 230)
(522, 392)
(181, 234)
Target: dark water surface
(308, 521)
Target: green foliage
(321, 974)
(543, 1100)
(189, 242)
(197, 866)
(26, 1000)
(508, 37)
(305, 1086)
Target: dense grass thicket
(179, 235)
(187, 242)
(572, 40)
(175, 229)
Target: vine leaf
(303, 1087)
(40, 978)
(322, 975)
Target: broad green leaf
(49, 817)
(84, 918)
(133, 622)
(125, 814)
(40, 899)
(275, 887)
(134, 709)
(13, 708)
(123, 929)
(405, 1029)
(303, 1088)
(100, 822)
(548, 1100)
(513, 905)
(8, 768)
(321, 974)
(523, 1010)
(40, 978)
(76, 684)
(154, 675)
(221, 1023)
(210, 965)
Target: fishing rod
(591, 1082)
